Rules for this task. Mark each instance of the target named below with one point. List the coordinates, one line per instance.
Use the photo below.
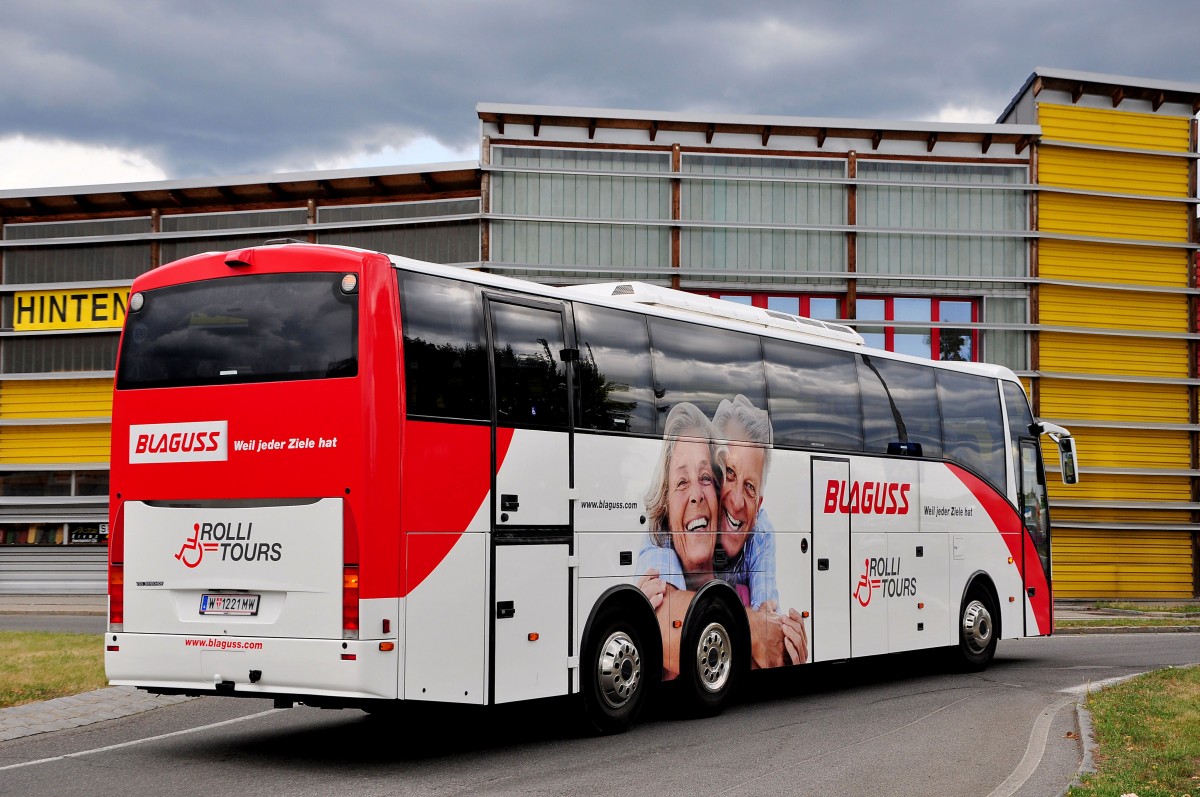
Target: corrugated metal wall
(1116, 533)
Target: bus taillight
(116, 596)
(350, 602)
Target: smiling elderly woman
(683, 500)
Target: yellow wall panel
(1106, 217)
(1114, 128)
(56, 398)
(1116, 487)
(1082, 261)
(1104, 354)
(1109, 401)
(1122, 564)
(1064, 514)
(1125, 448)
(1113, 172)
(1083, 307)
(46, 444)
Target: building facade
(1060, 242)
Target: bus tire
(709, 659)
(615, 677)
(977, 630)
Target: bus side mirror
(1068, 465)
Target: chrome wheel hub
(977, 627)
(619, 669)
(714, 658)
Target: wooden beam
(930, 142)
(1022, 143)
(500, 123)
(1159, 99)
(1118, 95)
(987, 143)
(591, 129)
(537, 126)
(877, 139)
(1076, 93)
(1038, 85)
(708, 135)
(653, 130)
(822, 134)
(766, 134)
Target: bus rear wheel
(709, 660)
(614, 684)
(977, 630)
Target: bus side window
(445, 353)
(1020, 418)
(615, 390)
(814, 396)
(704, 366)
(972, 424)
(899, 405)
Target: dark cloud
(231, 87)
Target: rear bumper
(253, 666)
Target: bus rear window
(254, 328)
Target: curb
(1128, 629)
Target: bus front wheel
(614, 686)
(977, 629)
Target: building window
(826, 308)
(909, 336)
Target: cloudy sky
(99, 91)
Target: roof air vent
(623, 290)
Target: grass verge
(1186, 608)
(39, 665)
(1148, 737)
(1127, 622)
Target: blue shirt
(753, 568)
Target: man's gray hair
(755, 429)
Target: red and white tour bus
(344, 478)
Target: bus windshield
(255, 328)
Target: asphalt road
(901, 725)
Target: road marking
(1033, 751)
(105, 749)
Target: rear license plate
(244, 605)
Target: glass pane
(258, 328)
(954, 311)
(870, 309)
(955, 344)
(784, 304)
(911, 309)
(746, 300)
(825, 309)
(615, 383)
(915, 343)
(814, 396)
(972, 424)
(704, 365)
(531, 379)
(36, 482)
(445, 371)
(91, 482)
(899, 405)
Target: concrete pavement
(121, 701)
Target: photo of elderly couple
(706, 521)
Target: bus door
(531, 529)
(1035, 518)
(830, 561)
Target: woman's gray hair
(684, 420)
(755, 423)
